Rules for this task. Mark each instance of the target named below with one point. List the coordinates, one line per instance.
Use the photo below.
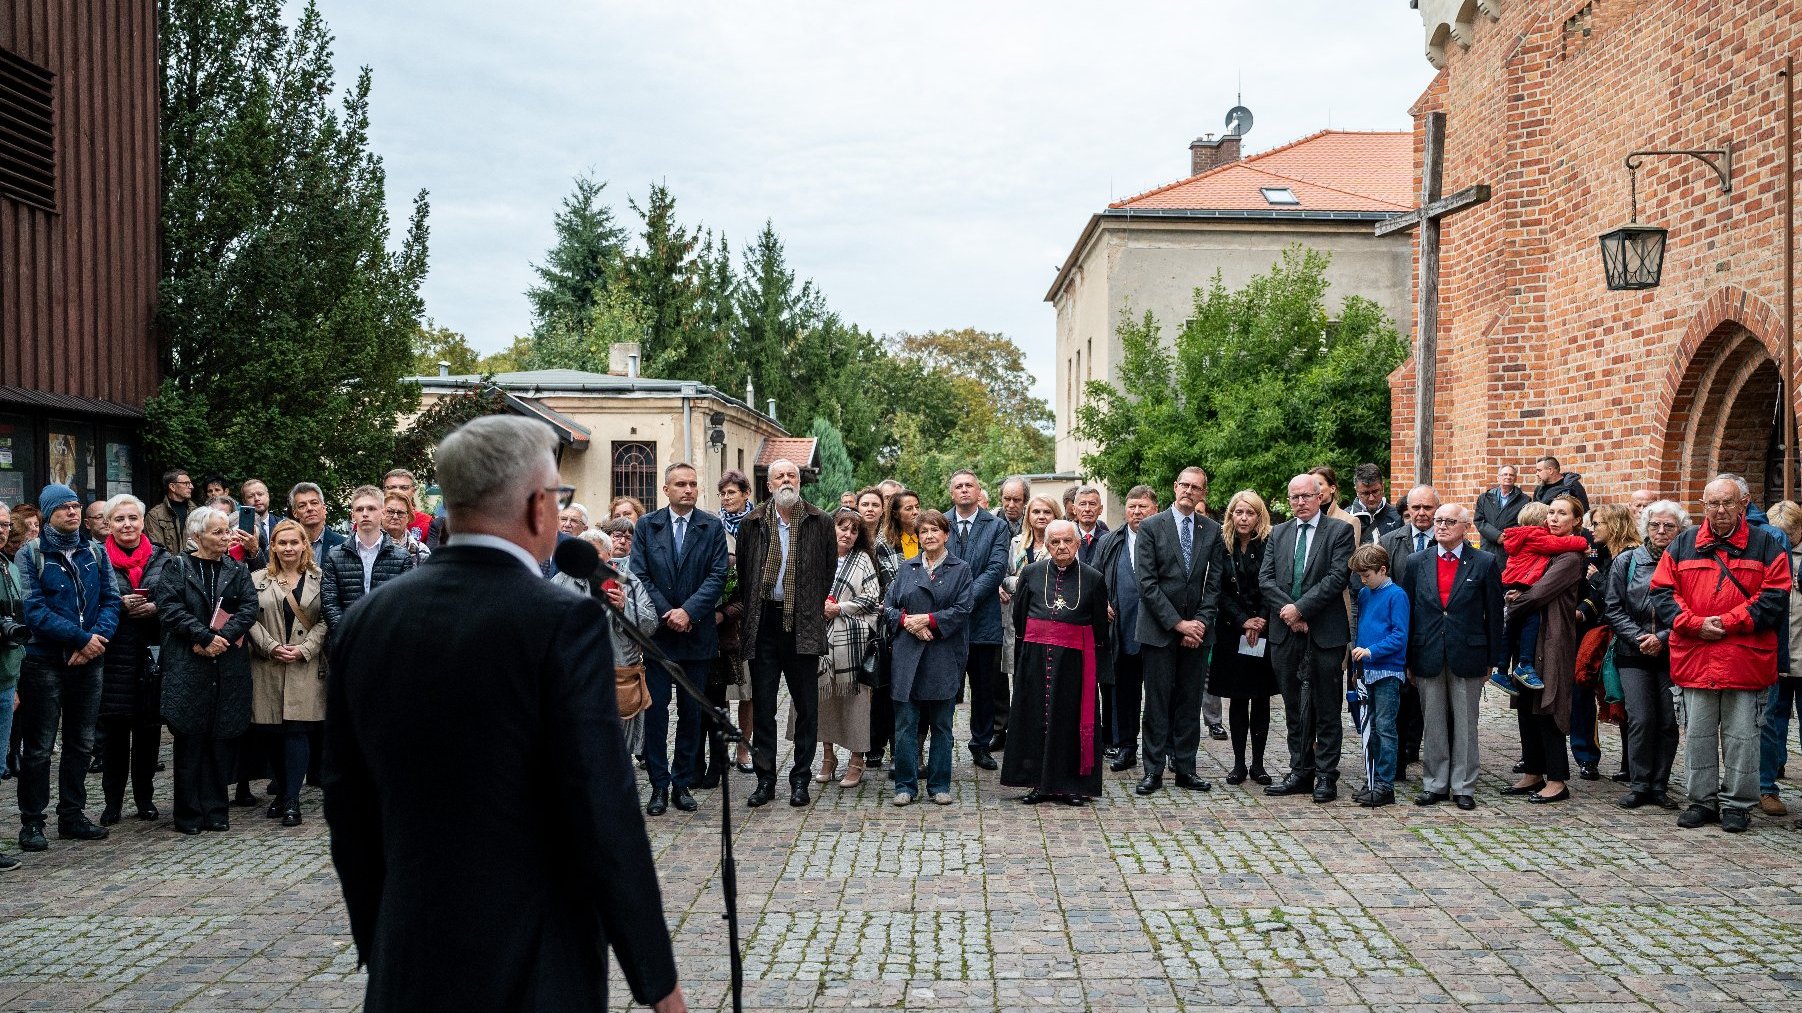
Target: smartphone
(247, 518)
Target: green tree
(1259, 386)
(771, 313)
(286, 320)
(615, 316)
(836, 477)
(433, 344)
(662, 277)
(987, 357)
(586, 258)
(714, 317)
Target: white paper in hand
(1254, 650)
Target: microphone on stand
(582, 560)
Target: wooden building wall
(78, 286)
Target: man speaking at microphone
(472, 701)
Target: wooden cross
(1426, 347)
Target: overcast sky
(928, 164)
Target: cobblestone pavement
(1183, 901)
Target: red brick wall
(1536, 355)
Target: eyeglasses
(1719, 504)
(1661, 525)
(1303, 497)
(1446, 522)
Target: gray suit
(1169, 592)
(1308, 665)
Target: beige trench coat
(286, 692)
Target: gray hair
(1025, 486)
(1745, 488)
(1074, 533)
(579, 508)
(1086, 489)
(302, 488)
(1669, 508)
(491, 460)
(123, 499)
(597, 536)
(198, 519)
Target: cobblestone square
(1183, 901)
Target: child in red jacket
(1530, 548)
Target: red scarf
(132, 563)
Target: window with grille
(635, 472)
(27, 140)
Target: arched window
(635, 472)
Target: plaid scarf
(772, 563)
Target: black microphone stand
(723, 731)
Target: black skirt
(1234, 675)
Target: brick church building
(1661, 387)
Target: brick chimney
(1208, 152)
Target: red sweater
(1530, 551)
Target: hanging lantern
(1633, 256)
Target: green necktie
(1301, 561)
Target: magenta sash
(1076, 637)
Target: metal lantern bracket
(1719, 159)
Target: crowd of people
(1071, 645)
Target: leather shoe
(1190, 782)
(709, 780)
(1634, 799)
(1294, 784)
(659, 802)
(1128, 759)
(762, 794)
(1325, 790)
(1148, 784)
(1378, 799)
(683, 800)
(1260, 775)
(1236, 775)
(1693, 817)
(1465, 802)
(109, 816)
(188, 829)
(982, 758)
(797, 794)
(1520, 766)
(998, 742)
(79, 829)
(1522, 789)
(291, 815)
(1563, 793)
(1430, 798)
(218, 825)
(148, 812)
(1033, 797)
(1588, 772)
(1217, 731)
(31, 838)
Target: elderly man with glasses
(1721, 589)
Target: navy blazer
(986, 552)
(694, 583)
(933, 669)
(1465, 635)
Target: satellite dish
(1238, 121)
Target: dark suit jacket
(1466, 634)
(1086, 551)
(474, 662)
(1322, 601)
(1375, 526)
(1493, 518)
(1400, 546)
(1122, 589)
(1167, 595)
(693, 583)
(986, 552)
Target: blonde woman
(287, 642)
(1245, 680)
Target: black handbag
(873, 672)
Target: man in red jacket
(1721, 588)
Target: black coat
(1493, 518)
(1465, 634)
(130, 683)
(205, 696)
(474, 661)
(341, 580)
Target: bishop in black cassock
(1055, 738)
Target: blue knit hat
(54, 495)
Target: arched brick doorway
(1725, 417)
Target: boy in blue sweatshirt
(1382, 647)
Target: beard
(787, 498)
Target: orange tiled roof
(1333, 170)
(799, 449)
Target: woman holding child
(1550, 657)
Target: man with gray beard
(787, 556)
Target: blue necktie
(1186, 528)
(681, 529)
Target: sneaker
(1696, 816)
(903, 798)
(31, 838)
(7, 862)
(1525, 675)
(941, 798)
(1501, 681)
(1771, 805)
(1736, 821)
(81, 829)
